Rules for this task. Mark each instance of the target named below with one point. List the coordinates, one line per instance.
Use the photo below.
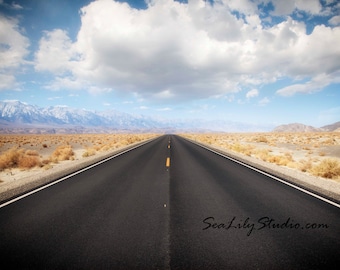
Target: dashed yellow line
(167, 163)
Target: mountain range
(20, 117)
(297, 127)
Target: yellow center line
(169, 146)
(167, 163)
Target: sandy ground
(300, 148)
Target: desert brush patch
(316, 153)
(30, 152)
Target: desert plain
(25, 158)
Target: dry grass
(314, 153)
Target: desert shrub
(9, 159)
(63, 152)
(19, 158)
(105, 148)
(329, 141)
(242, 148)
(89, 152)
(305, 165)
(27, 162)
(261, 138)
(262, 154)
(327, 168)
(280, 160)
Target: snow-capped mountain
(71, 116)
(19, 113)
(16, 116)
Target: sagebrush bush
(27, 162)
(9, 159)
(89, 152)
(242, 148)
(327, 168)
(19, 158)
(62, 152)
(262, 139)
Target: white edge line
(72, 174)
(269, 175)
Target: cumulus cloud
(335, 20)
(13, 5)
(286, 7)
(264, 101)
(179, 51)
(314, 85)
(55, 52)
(252, 93)
(13, 50)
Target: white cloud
(252, 93)
(98, 90)
(67, 82)
(13, 50)
(287, 7)
(164, 109)
(316, 84)
(13, 5)
(264, 101)
(54, 98)
(335, 20)
(55, 52)
(244, 6)
(7, 81)
(178, 51)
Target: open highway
(169, 204)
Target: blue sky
(260, 61)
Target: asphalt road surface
(170, 204)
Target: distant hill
(297, 127)
(333, 127)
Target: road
(170, 204)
